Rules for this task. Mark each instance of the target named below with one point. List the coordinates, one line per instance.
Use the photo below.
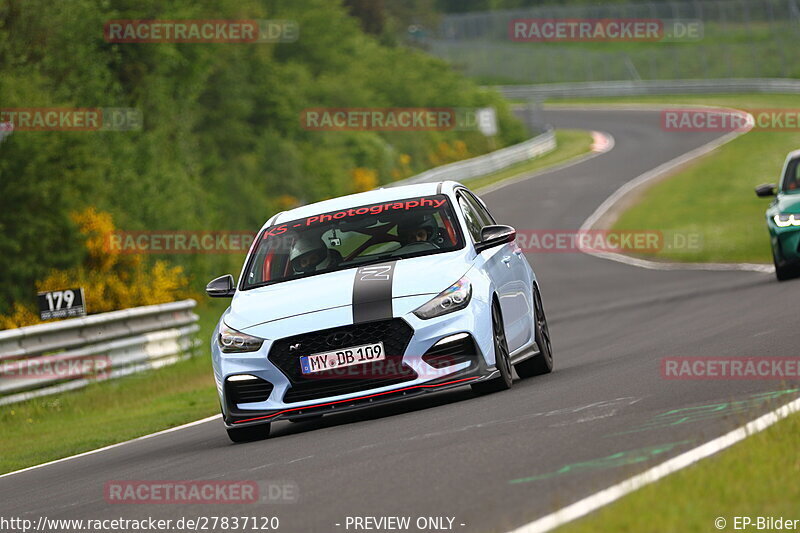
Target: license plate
(357, 355)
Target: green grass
(104, 413)
(571, 144)
(756, 477)
(713, 197)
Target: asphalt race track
(496, 462)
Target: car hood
(419, 275)
(788, 203)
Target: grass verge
(713, 197)
(756, 477)
(104, 413)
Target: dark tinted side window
(484, 214)
(474, 222)
(791, 181)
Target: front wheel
(502, 360)
(249, 433)
(784, 272)
(541, 363)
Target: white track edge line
(648, 176)
(606, 496)
(110, 446)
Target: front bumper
(425, 334)
(370, 399)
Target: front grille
(451, 353)
(251, 390)
(394, 333)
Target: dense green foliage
(222, 141)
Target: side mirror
(767, 189)
(221, 287)
(495, 236)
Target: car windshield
(346, 238)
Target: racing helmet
(307, 253)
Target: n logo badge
(375, 273)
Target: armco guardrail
(35, 360)
(645, 87)
(467, 169)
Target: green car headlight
(785, 220)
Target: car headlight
(784, 220)
(453, 298)
(231, 341)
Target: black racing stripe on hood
(372, 292)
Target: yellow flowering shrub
(403, 170)
(110, 280)
(287, 201)
(449, 153)
(18, 317)
(364, 179)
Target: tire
(541, 363)
(249, 433)
(785, 272)
(502, 361)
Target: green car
(783, 218)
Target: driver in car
(309, 254)
(413, 231)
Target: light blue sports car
(372, 298)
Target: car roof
(384, 194)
